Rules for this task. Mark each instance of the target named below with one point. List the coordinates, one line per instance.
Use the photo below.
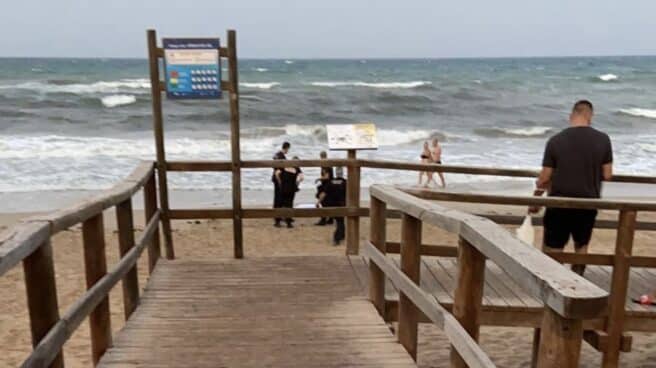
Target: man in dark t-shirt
(277, 196)
(575, 162)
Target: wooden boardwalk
(259, 312)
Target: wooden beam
(125, 224)
(158, 128)
(150, 209)
(42, 304)
(618, 287)
(268, 164)
(426, 250)
(93, 234)
(560, 341)
(199, 166)
(599, 340)
(18, 242)
(353, 200)
(468, 298)
(377, 236)
(235, 153)
(410, 265)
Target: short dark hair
(286, 145)
(582, 106)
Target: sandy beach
(508, 347)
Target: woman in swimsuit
(425, 159)
(436, 156)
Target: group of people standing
(331, 191)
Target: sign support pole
(156, 92)
(234, 140)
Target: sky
(334, 28)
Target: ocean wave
(648, 147)
(643, 113)
(385, 85)
(393, 137)
(496, 132)
(608, 77)
(118, 100)
(305, 130)
(56, 86)
(289, 62)
(267, 85)
(261, 70)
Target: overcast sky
(334, 28)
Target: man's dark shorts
(560, 223)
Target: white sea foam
(289, 62)
(304, 130)
(135, 85)
(644, 113)
(261, 70)
(537, 131)
(384, 85)
(608, 77)
(393, 137)
(267, 85)
(118, 100)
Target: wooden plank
(235, 152)
(468, 298)
(353, 201)
(130, 283)
(427, 250)
(377, 237)
(158, 129)
(42, 301)
(618, 287)
(93, 234)
(410, 266)
(267, 164)
(150, 210)
(199, 166)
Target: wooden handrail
(466, 346)
(559, 202)
(569, 295)
(50, 346)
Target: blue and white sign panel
(192, 67)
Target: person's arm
(300, 178)
(320, 198)
(542, 185)
(608, 171)
(277, 174)
(607, 168)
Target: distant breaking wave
(643, 113)
(79, 88)
(608, 77)
(261, 70)
(386, 85)
(268, 85)
(118, 100)
(538, 131)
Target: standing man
(334, 195)
(327, 175)
(277, 196)
(575, 162)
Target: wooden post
(41, 290)
(560, 341)
(93, 234)
(618, 287)
(130, 283)
(353, 201)
(410, 265)
(468, 294)
(158, 122)
(150, 207)
(377, 235)
(233, 74)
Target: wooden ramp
(259, 312)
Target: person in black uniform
(288, 180)
(334, 195)
(277, 198)
(575, 162)
(326, 175)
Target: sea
(83, 124)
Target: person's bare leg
(442, 179)
(579, 249)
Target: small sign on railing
(352, 136)
(192, 68)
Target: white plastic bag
(526, 233)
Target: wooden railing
(569, 299)
(29, 243)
